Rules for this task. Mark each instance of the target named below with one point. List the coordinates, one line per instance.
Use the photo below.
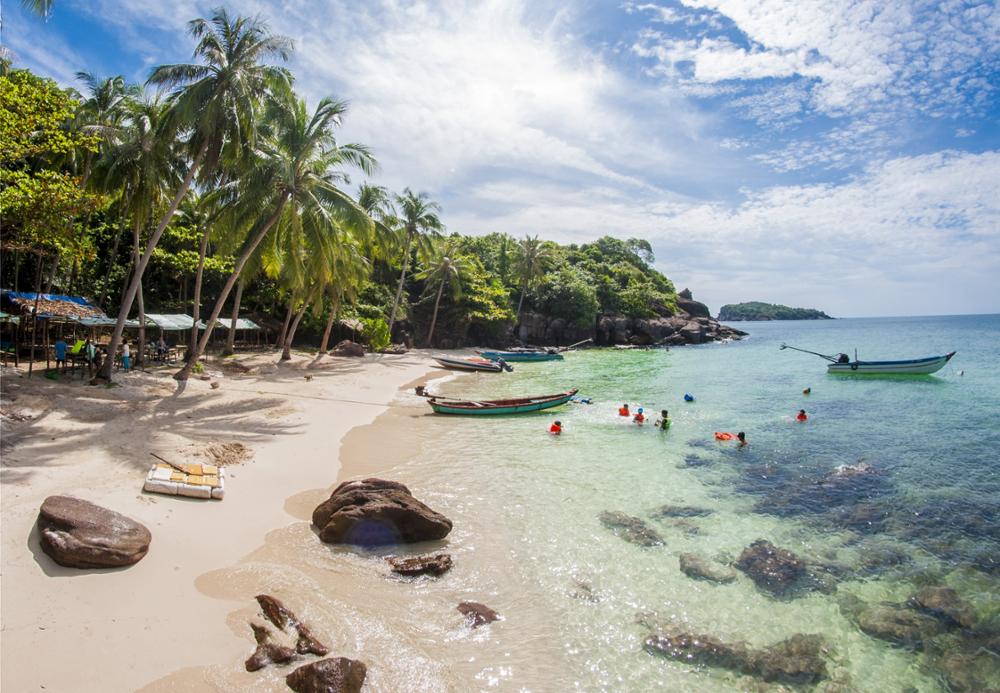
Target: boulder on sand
(770, 567)
(376, 512)
(333, 675)
(347, 348)
(78, 534)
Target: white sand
(72, 630)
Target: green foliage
(756, 310)
(376, 333)
(569, 293)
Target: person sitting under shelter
(61, 354)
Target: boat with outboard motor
(472, 363)
(842, 363)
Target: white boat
(471, 363)
(842, 363)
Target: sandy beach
(121, 629)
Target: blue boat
(526, 355)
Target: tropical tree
(293, 180)
(198, 212)
(444, 267)
(216, 103)
(103, 113)
(419, 222)
(534, 257)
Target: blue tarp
(22, 300)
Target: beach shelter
(243, 325)
(170, 322)
(47, 308)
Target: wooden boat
(522, 355)
(444, 405)
(842, 363)
(470, 364)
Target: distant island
(756, 310)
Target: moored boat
(521, 405)
(522, 355)
(842, 363)
(471, 363)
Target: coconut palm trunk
(520, 302)
(196, 299)
(234, 316)
(154, 238)
(185, 372)
(284, 326)
(286, 348)
(437, 302)
(402, 280)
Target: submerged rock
(78, 534)
(698, 649)
(376, 512)
(770, 567)
(795, 660)
(630, 528)
(890, 622)
(680, 511)
(702, 569)
(477, 614)
(333, 675)
(436, 564)
(945, 604)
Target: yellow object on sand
(196, 481)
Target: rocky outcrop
(287, 624)
(347, 348)
(78, 534)
(797, 660)
(631, 529)
(436, 564)
(375, 512)
(278, 614)
(268, 651)
(699, 568)
(771, 568)
(333, 675)
(477, 614)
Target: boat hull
(493, 408)
(925, 366)
(469, 365)
(513, 356)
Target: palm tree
(216, 103)
(293, 182)
(534, 257)
(444, 267)
(419, 222)
(351, 271)
(199, 213)
(103, 112)
(387, 239)
(43, 8)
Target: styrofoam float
(196, 481)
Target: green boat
(524, 355)
(444, 405)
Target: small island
(757, 310)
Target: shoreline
(120, 629)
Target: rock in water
(891, 622)
(680, 511)
(631, 529)
(437, 564)
(78, 534)
(333, 675)
(698, 649)
(945, 604)
(278, 614)
(478, 614)
(376, 512)
(701, 569)
(771, 568)
(267, 651)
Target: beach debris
(699, 568)
(680, 511)
(278, 614)
(631, 529)
(477, 614)
(893, 623)
(267, 652)
(376, 512)
(333, 675)
(193, 480)
(434, 564)
(79, 534)
(797, 660)
(214, 384)
(226, 454)
(347, 348)
(771, 568)
(308, 378)
(944, 604)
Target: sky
(841, 155)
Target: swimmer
(639, 417)
(663, 423)
(623, 410)
(807, 391)
(742, 437)
(556, 428)
(801, 416)
(688, 397)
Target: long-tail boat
(521, 405)
(842, 363)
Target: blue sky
(843, 155)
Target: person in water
(742, 438)
(663, 423)
(802, 416)
(639, 417)
(556, 428)
(623, 410)
(807, 391)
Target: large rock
(770, 567)
(376, 512)
(631, 529)
(78, 534)
(700, 568)
(347, 348)
(333, 675)
(944, 603)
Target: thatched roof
(50, 305)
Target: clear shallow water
(933, 440)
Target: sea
(891, 487)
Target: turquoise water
(929, 514)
